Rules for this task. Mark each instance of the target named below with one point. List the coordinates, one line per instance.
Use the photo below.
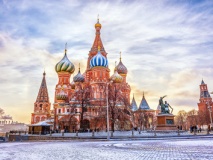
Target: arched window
(42, 118)
(37, 119)
(40, 106)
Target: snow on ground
(108, 150)
(122, 134)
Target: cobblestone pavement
(104, 150)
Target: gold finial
(120, 56)
(115, 66)
(143, 93)
(65, 48)
(98, 25)
(79, 67)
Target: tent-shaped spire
(96, 44)
(202, 82)
(204, 93)
(43, 92)
(133, 105)
(144, 105)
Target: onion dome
(98, 24)
(98, 60)
(59, 86)
(61, 95)
(116, 78)
(79, 77)
(121, 69)
(65, 65)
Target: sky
(166, 46)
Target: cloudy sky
(166, 45)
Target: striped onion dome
(116, 78)
(65, 65)
(98, 60)
(79, 77)
(121, 69)
(61, 95)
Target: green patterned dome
(65, 65)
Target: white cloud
(166, 46)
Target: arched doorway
(73, 124)
(85, 125)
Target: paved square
(104, 150)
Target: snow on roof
(42, 123)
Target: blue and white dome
(98, 60)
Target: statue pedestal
(165, 122)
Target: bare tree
(140, 120)
(81, 99)
(181, 119)
(120, 114)
(192, 117)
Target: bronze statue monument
(165, 119)
(165, 106)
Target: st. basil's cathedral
(82, 103)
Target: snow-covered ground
(122, 134)
(104, 150)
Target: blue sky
(166, 46)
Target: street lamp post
(210, 112)
(107, 100)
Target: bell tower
(42, 104)
(205, 98)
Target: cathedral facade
(82, 102)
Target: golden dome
(98, 24)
